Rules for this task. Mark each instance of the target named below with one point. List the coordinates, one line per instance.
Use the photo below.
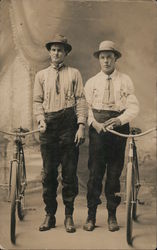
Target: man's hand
(98, 126)
(80, 135)
(112, 123)
(42, 126)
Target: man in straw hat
(111, 102)
(60, 110)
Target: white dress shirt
(96, 89)
(71, 94)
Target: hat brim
(116, 52)
(67, 46)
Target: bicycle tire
(134, 210)
(21, 186)
(134, 207)
(13, 202)
(129, 195)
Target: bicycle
(17, 179)
(132, 178)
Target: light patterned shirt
(71, 94)
(96, 89)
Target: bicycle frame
(17, 179)
(17, 151)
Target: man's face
(107, 61)
(57, 53)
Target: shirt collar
(61, 65)
(113, 75)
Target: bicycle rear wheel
(21, 187)
(13, 202)
(129, 196)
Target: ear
(116, 57)
(66, 52)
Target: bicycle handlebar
(109, 130)
(130, 135)
(20, 133)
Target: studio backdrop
(27, 24)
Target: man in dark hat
(111, 102)
(60, 110)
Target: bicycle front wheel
(21, 187)
(129, 196)
(13, 202)
(136, 188)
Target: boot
(69, 224)
(112, 221)
(49, 222)
(89, 225)
(91, 219)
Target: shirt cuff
(81, 120)
(90, 120)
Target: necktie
(110, 91)
(57, 68)
(57, 82)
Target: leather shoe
(49, 222)
(89, 225)
(112, 223)
(69, 224)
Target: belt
(59, 111)
(102, 111)
(104, 115)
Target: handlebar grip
(20, 130)
(134, 130)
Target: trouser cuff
(92, 212)
(113, 203)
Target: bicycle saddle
(135, 131)
(20, 130)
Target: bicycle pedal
(141, 202)
(138, 185)
(21, 196)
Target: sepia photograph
(78, 104)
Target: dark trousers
(106, 154)
(57, 147)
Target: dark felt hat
(59, 39)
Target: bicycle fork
(10, 177)
(132, 157)
(130, 160)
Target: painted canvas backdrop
(27, 24)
